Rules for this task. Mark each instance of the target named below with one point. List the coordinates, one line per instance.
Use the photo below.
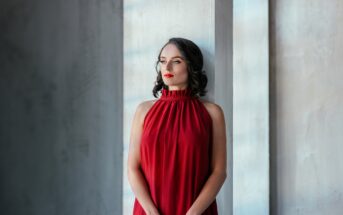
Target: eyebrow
(173, 57)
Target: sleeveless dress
(175, 152)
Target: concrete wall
(306, 107)
(60, 107)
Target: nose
(169, 66)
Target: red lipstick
(168, 75)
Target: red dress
(175, 152)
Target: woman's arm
(136, 179)
(218, 162)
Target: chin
(168, 83)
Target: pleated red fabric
(176, 147)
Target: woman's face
(173, 68)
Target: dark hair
(197, 79)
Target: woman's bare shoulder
(213, 109)
(144, 107)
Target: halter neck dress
(175, 152)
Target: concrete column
(223, 90)
(61, 107)
(250, 108)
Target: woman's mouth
(168, 75)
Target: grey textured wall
(306, 107)
(61, 107)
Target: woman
(177, 153)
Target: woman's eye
(174, 62)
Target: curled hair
(197, 79)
